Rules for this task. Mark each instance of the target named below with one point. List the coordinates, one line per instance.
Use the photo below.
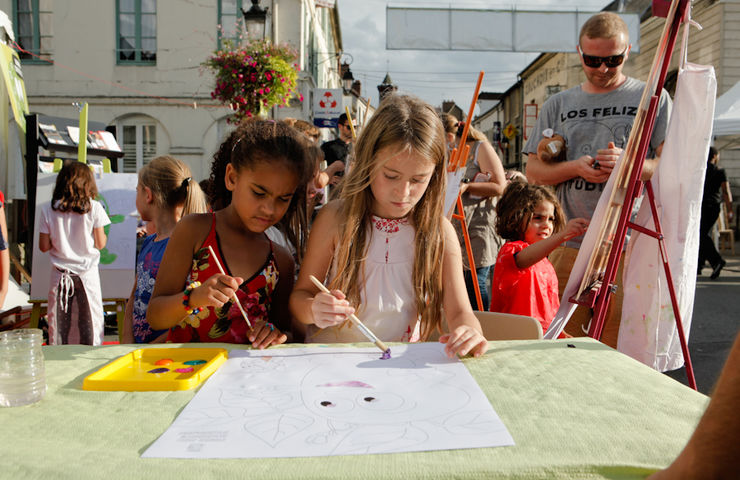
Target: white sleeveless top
(388, 307)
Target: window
(137, 31)
(229, 18)
(33, 28)
(551, 90)
(138, 136)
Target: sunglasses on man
(612, 61)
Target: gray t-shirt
(588, 122)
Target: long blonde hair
(401, 123)
(172, 185)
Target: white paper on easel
(306, 402)
(74, 133)
(453, 190)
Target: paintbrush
(236, 299)
(353, 318)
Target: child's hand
(265, 334)
(464, 340)
(329, 310)
(575, 228)
(215, 291)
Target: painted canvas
(305, 402)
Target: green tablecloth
(584, 412)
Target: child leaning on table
(166, 192)
(71, 229)
(258, 175)
(530, 218)
(385, 245)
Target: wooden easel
(458, 159)
(598, 281)
(117, 305)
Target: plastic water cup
(22, 377)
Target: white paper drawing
(333, 401)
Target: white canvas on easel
(454, 179)
(118, 260)
(308, 402)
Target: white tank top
(388, 307)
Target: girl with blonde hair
(385, 245)
(166, 192)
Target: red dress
(531, 291)
(226, 324)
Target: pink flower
(300, 96)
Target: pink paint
(349, 383)
(184, 370)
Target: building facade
(137, 63)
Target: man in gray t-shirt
(595, 119)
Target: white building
(137, 63)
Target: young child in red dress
(530, 218)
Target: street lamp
(255, 19)
(347, 79)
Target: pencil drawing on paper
(311, 402)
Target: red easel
(598, 298)
(458, 159)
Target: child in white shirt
(71, 230)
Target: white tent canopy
(727, 117)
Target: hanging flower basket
(254, 77)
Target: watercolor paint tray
(157, 369)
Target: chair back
(508, 326)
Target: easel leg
(120, 310)
(469, 249)
(671, 289)
(35, 315)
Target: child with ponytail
(166, 192)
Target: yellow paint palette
(157, 369)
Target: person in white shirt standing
(71, 229)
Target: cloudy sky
(432, 75)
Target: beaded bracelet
(186, 299)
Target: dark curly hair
(74, 188)
(516, 206)
(273, 143)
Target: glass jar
(22, 378)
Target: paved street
(715, 323)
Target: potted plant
(253, 77)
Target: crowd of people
(365, 216)
(233, 261)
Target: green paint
(106, 256)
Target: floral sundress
(226, 324)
